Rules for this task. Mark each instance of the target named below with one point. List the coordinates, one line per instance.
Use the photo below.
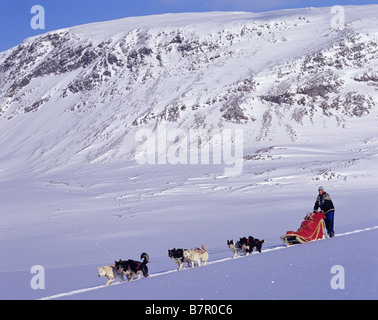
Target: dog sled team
(312, 228)
(199, 256)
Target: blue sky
(16, 16)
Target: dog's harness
(245, 245)
(201, 251)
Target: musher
(324, 202)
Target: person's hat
(321, 188)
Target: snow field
(91, 221)
(297, 272)
(73, 197)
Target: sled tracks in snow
(269, 249)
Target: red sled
(312, 228)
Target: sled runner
(312, 228)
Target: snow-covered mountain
(73, 194)
(80, 94)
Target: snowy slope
(258, 277)
(73, 196)
(299, 272)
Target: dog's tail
(203, 247)
(145, 258)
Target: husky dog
(197, 255)
(249, 244)
(111, 273)
(177, 255)
(236, 247)
(130, 267)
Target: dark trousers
(329, 221)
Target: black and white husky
(249, 244)
(131, 267)
(236, 248)
(177, 255)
